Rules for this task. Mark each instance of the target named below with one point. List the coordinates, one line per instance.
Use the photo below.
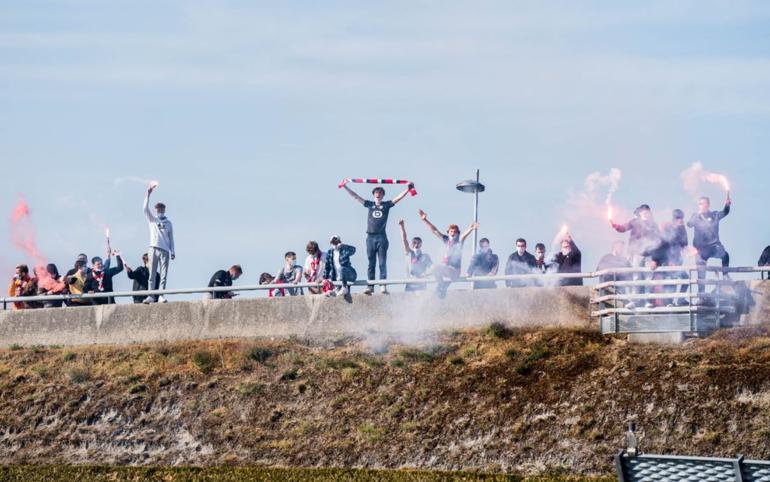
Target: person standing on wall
(161, 250)
(376, 235)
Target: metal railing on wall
(535, 279)
(633, 466)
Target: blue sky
(249, 113)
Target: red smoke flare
(24, 237)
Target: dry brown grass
(532, 399)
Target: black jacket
(141, 277)
(643, 236)
(524, 264)
(674, 242)
(221, 278)
(570, 263)
(92, 283)
(706, 227)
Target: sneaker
(726, 276)
(331, 294)
(384, 290)
(649, 305)
(631, 306)
(162, 299)
(345, 291)
(369, 290)
(148, 300)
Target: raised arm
(404, 239)
(147, 213)
(473, 227)
(353, 194)
(621, 228)
(433, 229)
(402, 194)
(724, 212)
(119, 267)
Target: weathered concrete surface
(760, 295)
(670, 338)
(306, 316)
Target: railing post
(615, 305)
(738, 468)
(690, 301)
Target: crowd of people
(331, 273)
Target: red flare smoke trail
(24, 237)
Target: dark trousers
(377, 250)
(706, 253)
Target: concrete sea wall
(305, 316)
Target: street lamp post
(475, 187)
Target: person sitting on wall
(100, 279)
(568, 260)
(418, 262)
(338, 267)
(52, 285)
(77, 283)
(290, 273)
(450, 268)
(268, 279)
(521, 261)
(141, 277)
(314, 267)
(20, 285)
(484, 263)
(224, 278)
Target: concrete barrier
(315, 317)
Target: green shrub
(138, 388)
(498, 330)
(259, 355)
(204, 361)
(456, 360)
(69, 356)
(78, 375)
(249, 389)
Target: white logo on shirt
(376, 213)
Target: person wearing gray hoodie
(161, 249)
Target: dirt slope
(494, 400)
